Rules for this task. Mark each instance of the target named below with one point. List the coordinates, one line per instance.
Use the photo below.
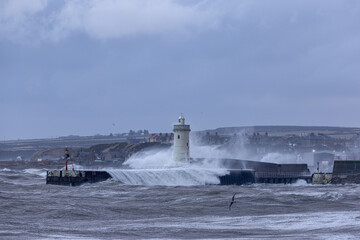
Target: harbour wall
(75, 178)
(239, 172)
(347, 171)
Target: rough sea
(135, 206)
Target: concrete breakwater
(234, 177)
(346, 172)
(239, 177)
(75, 178)
(236, 172)
(247, 172)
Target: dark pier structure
(238, 177)
(239, 172)
(75, 178)
(72, 177)
(247, 172)
(346, 171)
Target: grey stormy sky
(77, 67)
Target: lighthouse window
(178, 136)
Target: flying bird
(232, 201)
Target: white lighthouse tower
(181, 140)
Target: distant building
(325, 161)
(162, 138)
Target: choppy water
(30, 209)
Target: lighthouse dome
(182, 119)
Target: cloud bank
(102, 19)
(140, 63)
(38, 20)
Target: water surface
(30, 209)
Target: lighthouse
(181, 140)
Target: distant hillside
(283, 130)
(101, 152)
(40, 148)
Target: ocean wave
(5, 170)
(35, 171)
(331, 196)
(300, 182)
(168, 177)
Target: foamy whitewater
(158, 168)
(156, 198)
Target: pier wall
(347, 171)
(240, 172)
(346, 167)
(238, 177)
(75, 178)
